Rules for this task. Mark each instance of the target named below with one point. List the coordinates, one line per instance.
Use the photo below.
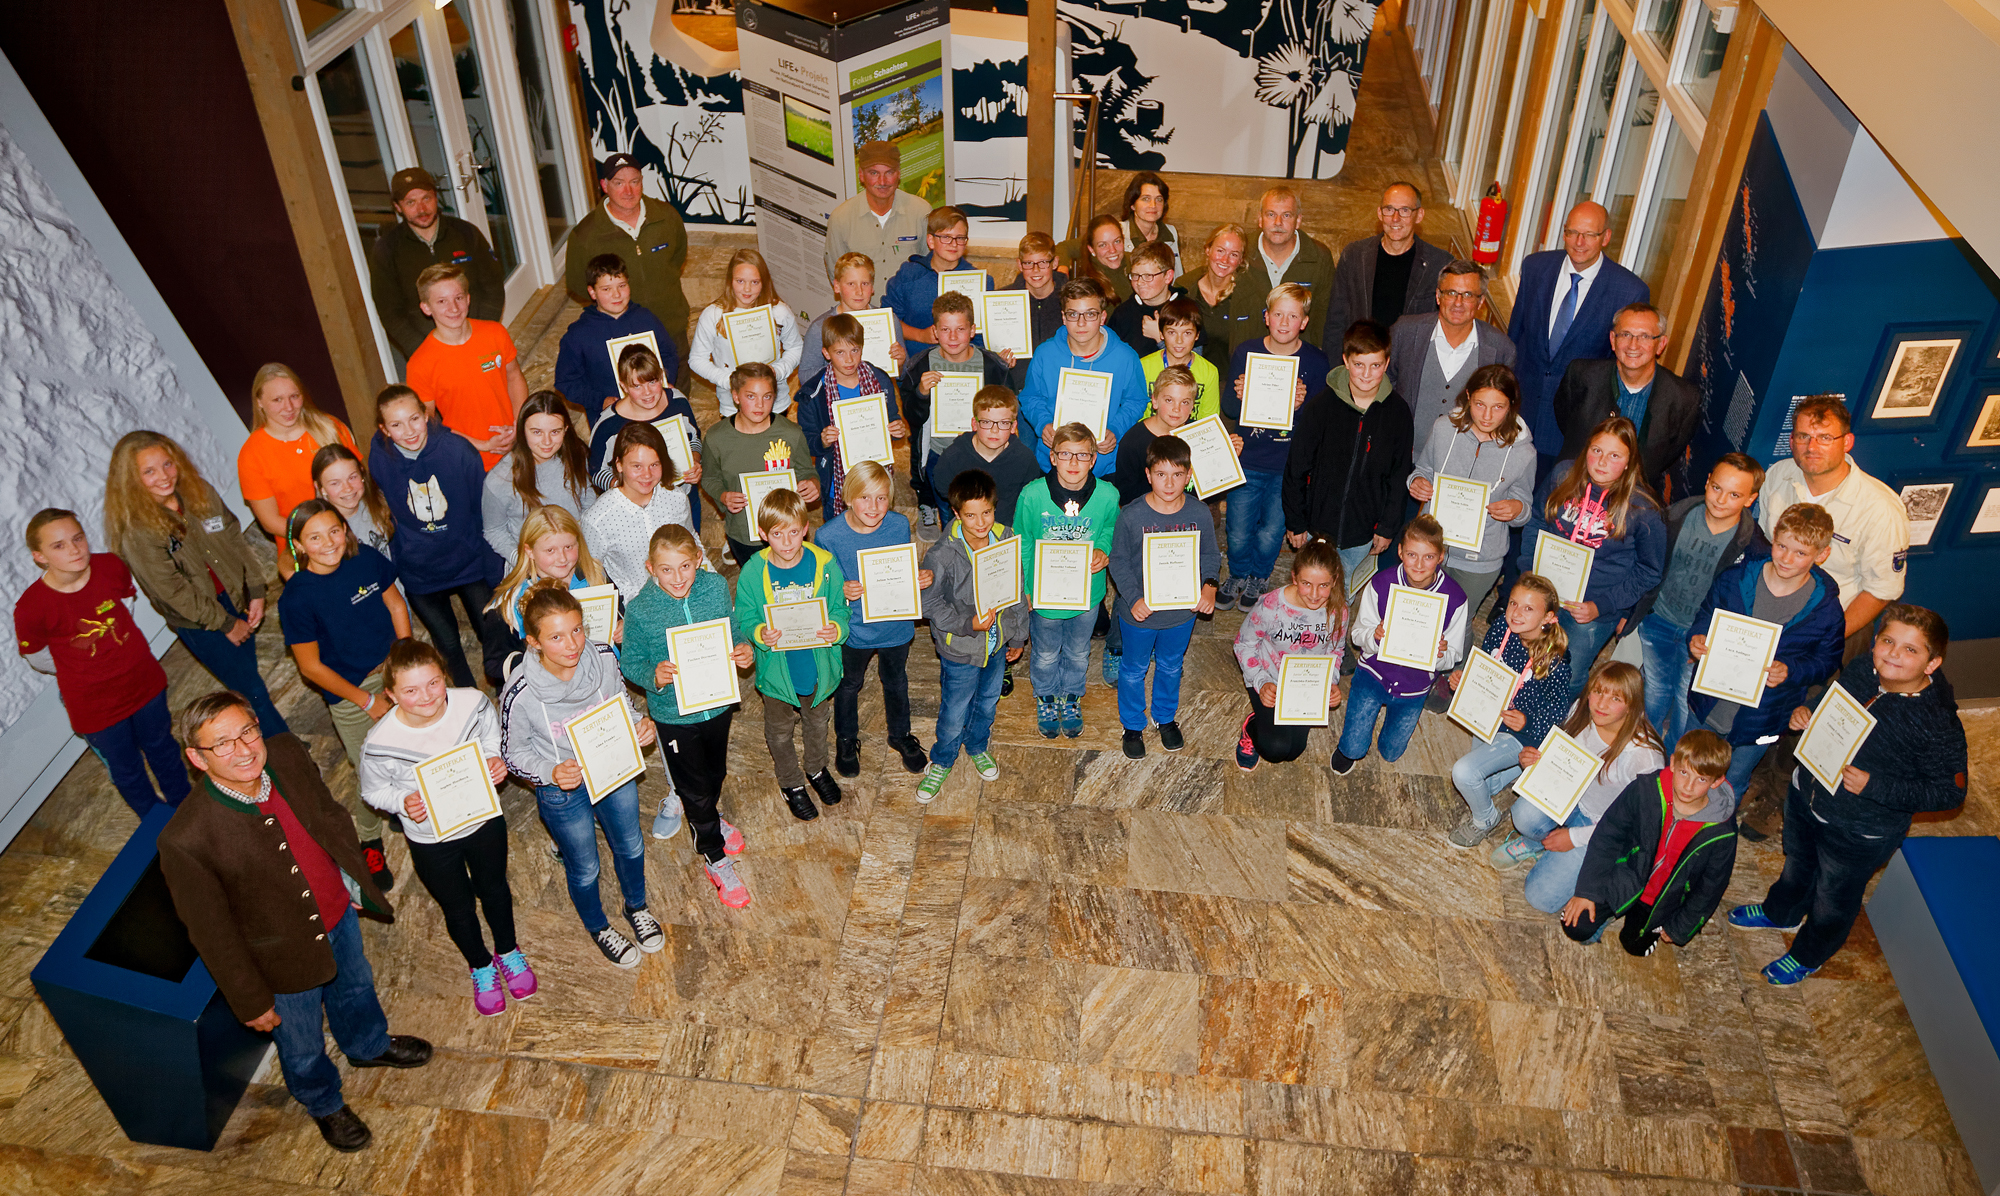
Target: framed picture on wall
(1915, 378)
(1985, 432)
(1925, 502)
(1986, 520)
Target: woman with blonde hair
(186, 550)
(274, 466)
(713, 356)
(1211, 284)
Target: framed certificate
(752, 333)
(756, 488)
(618, 344)
(1565, 563)
(996, 575)
(606, 746)
(1557, 781)
(1172, 578)
(951, 403)
(1485, 689)
(864, 430)
(1270, 389)
(707, 674)
(1740, 650)
(1837, 730)
(1005, 324)
(1305, 690)
(1411, 627)
(457, 790)
(679, 435)
(798, 624)
(1460, 507)
(1215, 465)
(878, 333)
(600, 611)
(970, 283)
(1084, 397)
(1062, 574)
(889, 590)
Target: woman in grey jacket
(1482, 439)
(186, 550)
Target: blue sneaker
(1048, 717)
(1111, 660)
(667, 823)
(1072, 715)
(1785, 971)
(1752, 917)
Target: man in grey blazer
(1431, 355)
(1386, 276)
(1662, 404)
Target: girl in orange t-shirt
(274, 465)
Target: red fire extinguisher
(1492, 226)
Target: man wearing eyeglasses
(881, 220)
(1562, 313)
(1386, 276)
(1659, 402)
(1431, 355)
(266, 873)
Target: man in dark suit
(1386, 276)
(1431, 355)
(1562, 312)
(1661, 404)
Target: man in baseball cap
(882, 220)
(426, 236)
(646, 234)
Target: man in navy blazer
(1563, 313)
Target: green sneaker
(983, 761)
(927, 789)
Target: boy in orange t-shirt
(466, 369)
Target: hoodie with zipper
(584, 371)
(1345, 476)
(1507, 469)
(754, 591)
(950, 605)
(1915, 757)
(436, 497)
(652, 613)
(536, 706)
(1619, 861)
(1809, 648)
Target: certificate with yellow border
(951, 403)
(878, 333)
(1305, 690)
(756, 488)
(798, 624)
(889, 590)
(1411, 627)
(1172, 570)
(1215, 465)
(1565, 563)
(752, 333)
(969, 283)
(457, 790)
(1270, 391)
(1557, 781)
(679, 435)
(600, 611)
(705, 672)
(1062, 574)
(606, 746)
(1739, 656)
(1837, 730)
(1459, 505)
(618, 344)
(996, 575)
(864, 430)
(1084, 397)
(1005, 323)
(1485, 689)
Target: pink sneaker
(729, 887)
(732, 839)
(521, 983)
(486, 995)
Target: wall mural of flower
(1313, 70)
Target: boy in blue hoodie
(1791, 590)
(434, 480)
(914, 286)
(585, 373)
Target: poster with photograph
(900, 99)
(1986, 429)
(1925, 503)
(1915, 378)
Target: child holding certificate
(1070, 506)
(953, 351)
(751, 441)
(1183, 582)
(1600, 502)
(845, 377)
(973, 645)
(1035, 263)
(646, 398)
(585, 372)
(1085, 345)
(567, 676)
(853, 290)
(1610, 723)
(1481, 439)
(621, 524)
(1791, 590)
(1912, 761)
(1662, 855)
(915, 284)
(694, 745)
(465, 862)
(1529, 642)
(713, 352)
(992, 446)
(1351, 453)
(1180, 341)
(1257, 507)
(796, 683)
(1309, 617)
(1174, 395)
(1396, 692)
(867, 526)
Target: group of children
(512, 520)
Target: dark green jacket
(1312, 266)
(401, 255)
(653, 263)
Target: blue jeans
(1256, 524)
(235, 665)
(1586, 640)
(1163, 651)
(144, 737)
(967, 696)
(568, 814)
(1484, 771)
(1668, 670)
(1366, 698)
(1351, 558)
(1552, 881)
(348, 1004)
(1059, 654)
(1743, 760)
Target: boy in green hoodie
(1070, 505)
(969, 641)
(796, 684)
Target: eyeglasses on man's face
(1092, 316)
(246, 739)
(1389, 211)
(1460, 296)
(1627, 337)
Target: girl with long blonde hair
(1528, 638)
(274, 466)
(713, 353)
(551, 548)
